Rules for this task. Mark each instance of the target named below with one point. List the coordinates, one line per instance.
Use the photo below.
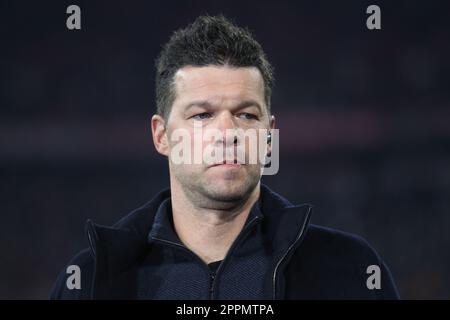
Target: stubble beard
(219, 194)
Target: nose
(226, 124)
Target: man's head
(212, 75)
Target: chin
(228, 190)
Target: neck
(209, 231)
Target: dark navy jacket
(277, 255)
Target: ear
(159, 135)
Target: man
(218, 233)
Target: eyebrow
(206, 104)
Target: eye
(247, 116)
(201, 116)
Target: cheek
(255, 148)
(186, 172)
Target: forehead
(218, 83)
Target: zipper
(211, 284)
(234, 245)
(92, 236)
(212, 275)
(297, 238)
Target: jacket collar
(119, 247)
(162, 226)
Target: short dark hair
(209, 40)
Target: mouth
(229, 164)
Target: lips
(231, 163)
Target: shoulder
(336, 243)
(341, 262)
(84, 264)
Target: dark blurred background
(364, 124)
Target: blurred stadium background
(364, 124)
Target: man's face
(219, 99)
